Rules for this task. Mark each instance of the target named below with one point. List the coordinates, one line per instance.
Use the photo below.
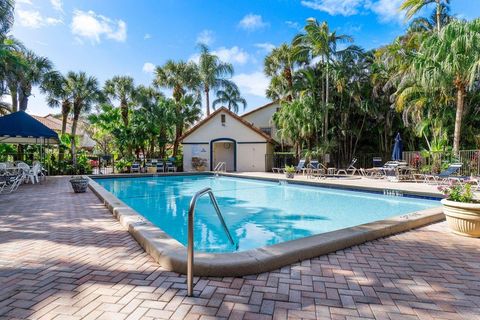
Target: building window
(267, 130)
(223, 119)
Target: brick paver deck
(63, 256)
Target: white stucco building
(242, 142)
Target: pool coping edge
(172, 255)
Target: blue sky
(121, 37)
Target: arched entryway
(223, 150)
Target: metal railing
(190, 246)
(469, 158)
(219, 167)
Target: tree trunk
(65, 113)
(326, 103)
(178, 134)
(458, 119)
(207, 97)
(23, 103)
(14, 95)
(439, 22)
(76, 115)
(124, 110)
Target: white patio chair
(31, 174)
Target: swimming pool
(258, 213)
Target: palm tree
(230, 97)
(181, 77)
(85, 92)
(319, 41)
(412, 7)
(212, 73)
(430, 24)
(280, 65)
(58, 93)
(36, 69)
(121, 88)
(451, 59)
(6, 17)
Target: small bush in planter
(458, 192)
(290, 172)
(461, 210)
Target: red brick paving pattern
(63, 256)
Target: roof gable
(234, 116)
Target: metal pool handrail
(190, 248)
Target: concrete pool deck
(63, 256)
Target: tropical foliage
(340, 100)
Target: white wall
(263, 118)
(250, 155)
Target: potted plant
(290, 172)
(79, 184)
(461, 210)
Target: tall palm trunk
(327, 82)
(439, 16)
(124, 110)
(23, 96)
(76, 116)
(65, 112)
(178, 134)
(458, 118)
(14, 94)
(207, 97)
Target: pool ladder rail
(220, 167)
(190, 244)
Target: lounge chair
(160, 166)
(377, 162)
(300, 166)
(311, 168)
(135, 167)
(351, 169)
(171, 167)
(10, 182)
(444, 176)
(277, 170)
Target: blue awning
(21, 128)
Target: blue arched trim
(234, 151)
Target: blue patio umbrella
(397, 148)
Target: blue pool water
(258, 213)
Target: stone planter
(289, 175)
(152, 169)
(463, 218)
(79, 184)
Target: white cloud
(233, 55)
(334, 7)
(57, 5)
(53, 21)
(293, 24)
(33, 19)
(206, 37)
(94, 27)
(252, 22)
(266, 46)
(255, 83)
(24, 2)
(148, 67)
(387, 10)
(147, 36)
